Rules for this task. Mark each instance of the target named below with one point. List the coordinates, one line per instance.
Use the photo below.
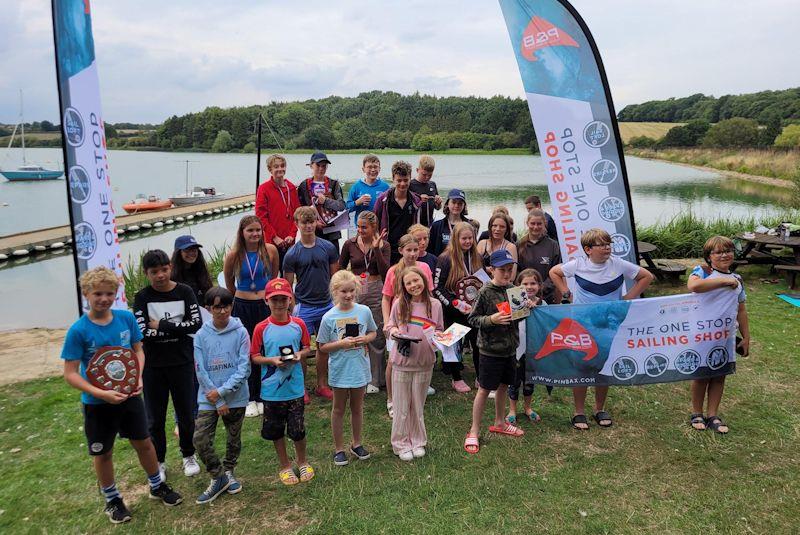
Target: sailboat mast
(22, 122)
(187, 177)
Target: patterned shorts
(284, 418)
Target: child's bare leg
(338, 407)
(389, 380)
(500, 404)
(600, 395)
(147, 455)
(512, 407)
(698, 390)
(300, 451)
(280, 449)
(477, 410)
(322, 369)
(526, 404)
(716, 386)
(357, 413)
(104, 468)
(579, 396)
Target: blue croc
(511, 419)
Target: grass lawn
(650, 472)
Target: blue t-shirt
(280, 384)
(85, 337)
(347, 368)
(359, 189)
(700, 272)
(311, 266)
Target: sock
(110, 492)
(155, 480)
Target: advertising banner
(91, 210)
(575, 123)
(643, 341)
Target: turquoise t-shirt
(85, 336)
(347, 368)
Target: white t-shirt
(595, 283)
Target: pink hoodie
(422, 356)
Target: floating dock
(56, 239)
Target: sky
(161, 58)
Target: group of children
(382, 291)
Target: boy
(107, 412)
(167, 313)
(364, 193)
(398, 208)
(313, 261)
(222, 360)
(426, 189)
(498, 339)
(282, 379)
(598, 277)
(320, 189)
(276, 201)
(533, 201)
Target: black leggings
(453, 369)
(159, 384)
(251, 312)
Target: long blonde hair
(456, 256)
(239, 248)
(404, 299)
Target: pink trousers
(409, 390)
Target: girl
(408, 247)
(415, 314)
(718, 252)
(455, 211)
(344, 333)
(189, 266)
(421, 233)
(248, 266)
(368, 257)
(500, 225)
(459, 259)
(532, 282)
(536, 250)
(320, 189)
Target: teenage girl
(248, 266)
(189, 266)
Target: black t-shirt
(178, 315)
(400, 219)
(426, 209)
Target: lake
(42, 294)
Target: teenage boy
(222, 360)
(312, 261)
(498, 339)
(107, 412)
(278, 343)
(320, 189)
(533, 201)
(364, 193)
(426, 189)
(598, 277)
(167, 313)
(398, 208)
(276, 201)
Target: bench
(670, 270)
(791, 274)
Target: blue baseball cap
(184, 242)
(457, 194)
(318, 157)
(501, 258)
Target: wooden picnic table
(759, 249)
(646, 251)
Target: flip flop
(714, 423)
(471, 444)
(511, 419)
(306, 472)
(580, 419)
(603, 416)
(288, 477)
(696, 419)
(506, 429)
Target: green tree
(223, 142)
(317, 136)
(642, 142)
(736, 132)
(688, 135)
(789, 138)
(772, 128)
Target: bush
(222, 143)
(789, 138)
(642, 142)
(736, 132)
(688, 135)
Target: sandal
(306, 472)
(471, 444)
(533, 417)
(511, 419)
(506, 429)
(715, 423)
(580, 419)
(390, 409)
(697, 419)
(603, 416)
(288, 477)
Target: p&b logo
(541, 34)
(73, 127)
(569, 334)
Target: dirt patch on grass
(30, 354)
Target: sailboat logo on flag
(541, 34)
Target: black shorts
(284, 418)
(102, 423)
(495, 371)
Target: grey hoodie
(222, 362)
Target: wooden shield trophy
(114, 368)
(467, 289)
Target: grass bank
(648, 473)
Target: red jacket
(277, 218)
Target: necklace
(252, 270)
(284, 199)
(368, 253)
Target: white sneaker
(418, 452)
(190, 466)
(260, 407)
(372, 389)
(251, 410)
(406, 456)
(431, 391)
(162, 470)
(492, 394)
